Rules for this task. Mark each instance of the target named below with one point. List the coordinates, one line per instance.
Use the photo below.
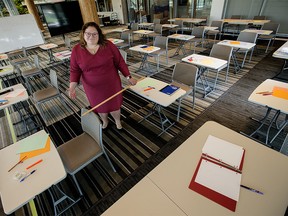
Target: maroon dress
(99, 75)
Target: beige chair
(162, 42)
(157, 31)
(269, 26)
(51, 92)
(250, 37)
(67, 44)
(221, 52)
(218, 31)
(18, 59)
(185, 76)
(124, 55)
(77, 153)
(199, 38)
(127, 40)
(180, 27)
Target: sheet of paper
(37, 141)
(280, 92)
(15, 93)
(37, 152)
(224, 151)
(220, 179)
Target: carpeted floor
(137, 149)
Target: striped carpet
(128, 148)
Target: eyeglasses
(88, 34)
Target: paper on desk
(223, 151)
(37, 141)
(280, 92)
(37, 152)
(220, 179)
(145, 83)
(15, 93)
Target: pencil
(20, 161)
(37, 162)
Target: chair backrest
(67, 42)
(158, 28)
(217, 23)
(271, 26)
(222, 52)
(36, 61)
(53, 78)
(134, 27)
(259, 18)
(236, 17)
(198, 32)
(123, 54)
(156, 21)
(179, 23)
(185, 74)
(250, 37)
(92, 125)
(125, 36)
(161, 41)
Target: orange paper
(37, 152)
(234, 42)
(280, 92)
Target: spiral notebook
(169, 89)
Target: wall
(216, 10)
(117, 7)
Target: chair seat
(19, 60)
(212, 32)
(186, 88)
(69, 151)
(45, 94)
(265, 37)
(31, 72)
(122, 45)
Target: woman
(96, 61)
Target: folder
(219, 171)
(280, 92)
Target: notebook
(169, 89)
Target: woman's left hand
(132, 81)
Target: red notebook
(219, 179)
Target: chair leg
(268, 46)
(77, 184)
(251, 54)
(242, 65)
(179, 108)
(227, 73)
(109, 161)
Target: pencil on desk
(37, 162)
(20, 161)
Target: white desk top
(115, 40)
(5, 70)
(245, 21)
(270, 100)
(210, 28)
(174, 174)
(48, 46)
(169, 25)
(237, 44)
(144, 32)
(66, 54)
(139, 202)
(144, 48)
(155, 95)
(145, 24)
(13, 100)
(181, 37)
(258, 31)
(120, 30)
(15, 194)
(3, 56)
(205, 61)
(188, 20)
(282, 52)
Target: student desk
(115, 40)
(245, 21)
(48, 48)
(182, 41)
(237, 45)
(173, 175)
(149, 89)
(16, 99)
(204, 63)
(50, 171)
(143, 33)
(277, 104)
(258, 31)
(282, 53)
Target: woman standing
(96, 61)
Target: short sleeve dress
(99, 75)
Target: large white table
(15, 194)
(149, 89)
(48, 47)
(282, 53)
(204, 63)
(276, 104)
(173, 175)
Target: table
(183, 39)
(282, 53)
(173, 175)
(245, 21)
(204, 63)
(6, 71)
(13, 100)
(149, 89)
(145, 25)
(48, 47)
(169, 26)
(273, 103)
(237, 45)
(188, 20)
(115, 40)
(144, 49)
(120, 30)
(63, 55)
(143, 33)
(258, 31)
(15, 194)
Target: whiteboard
(19, 31)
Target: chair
(51, 92)
(162, 42)
(33, 71)
(185, 76)
(134, 27)
(269, 26)
(178, 28)
(218, 31)
(18, 57)
(233, 26)
(67, 44)
(77, 153)
(127, 40)
(198, 32)
(157, 31)
(123, 54)
(224, 53)
(251, 25)
(250, 37)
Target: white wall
(216, 10)
(117, 7)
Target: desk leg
(206, 87)
(237, 67)
(180, 47)
(284, 67)
(144, 64)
